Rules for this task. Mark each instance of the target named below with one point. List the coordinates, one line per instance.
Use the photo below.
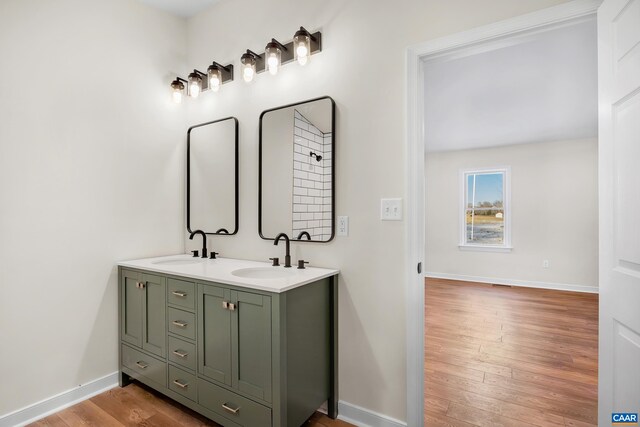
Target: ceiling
(184, 8)
(534, 88)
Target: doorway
(524, 26)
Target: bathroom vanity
(241, 342)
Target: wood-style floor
(137, 405)
(501, 356)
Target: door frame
(415, 168)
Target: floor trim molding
(53, 404)
(362, 417)
(521, 283)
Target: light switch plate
(343, 226)
(391, 209)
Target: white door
(619, 169)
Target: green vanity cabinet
(143, 312)
(240, 356)
(235, 339)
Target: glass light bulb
(248, 73)
(214, 83)
(272, 63)
(177, 96)
(194, 89)
(302, 53)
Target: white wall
(91, 172)
(362, 68)
(554, 213)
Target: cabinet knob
(225, 304)
(232, 306)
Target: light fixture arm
(280, 45)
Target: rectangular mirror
(297, 170)
(212, 177)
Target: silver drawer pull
(142, 365)
(180, 353)
(180, 324)
(229, 409)
(179, 294)
(179, 384)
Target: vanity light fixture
(177, 89)
(276, 54)
(218, 74)
(273, 55)
(249, 61)
(194, 86)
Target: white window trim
(506, 246)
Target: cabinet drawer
(232, 406)
(183, 383)
(182, 323)
(183, 353)
(146, 366)
(181, 293)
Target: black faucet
(302, 234)
(204, 241)
(287, 257)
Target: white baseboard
(53, 404)
(522, 283)
(362, 417)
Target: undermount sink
(263, 273)
(178, 261)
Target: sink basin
(263, 273)
(179, 261)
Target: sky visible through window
(488, 188)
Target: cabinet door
(131, 308)
(251, 344)
(154, 334)
(214, 333)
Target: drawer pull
(180, 324)
(180, 353)
(230, 409)
(179, 294)
(179, 384)
(142, 365)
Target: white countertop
(221, 271)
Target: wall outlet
(545, 263)
(343, 226)
(391, 209)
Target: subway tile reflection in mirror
(297, 171)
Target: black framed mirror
(296, 189)
(212, 177)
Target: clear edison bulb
(273, 56)
(215, 79)
(248, 73)
(177, 87)
(302, 43)
(177, 96)
(248, 67)
(195, 85)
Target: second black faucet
(287, 257)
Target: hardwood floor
(501, 356)
(137, 405)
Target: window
(485, 216)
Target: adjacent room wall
(554, 209)
(91, 172)
(362, 67)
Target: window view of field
(485, 209)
